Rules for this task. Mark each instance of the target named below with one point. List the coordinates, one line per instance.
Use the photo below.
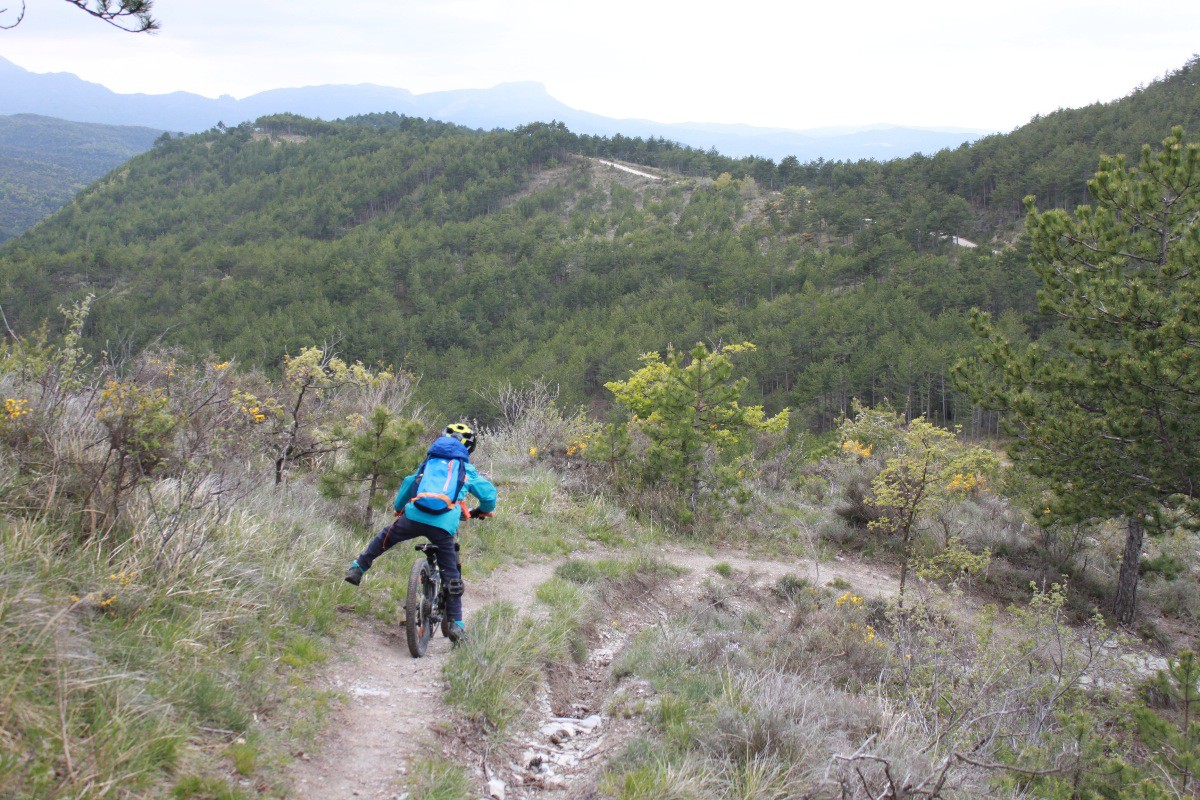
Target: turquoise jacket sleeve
(406, 492)
(482, 489)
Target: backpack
(441, 476)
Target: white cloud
(761, 62)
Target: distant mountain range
(507, 105)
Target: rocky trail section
(566, 752)
(394, 710)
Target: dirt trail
(393, 701)
(394, 704)
(869, 580)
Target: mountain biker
(456, 442)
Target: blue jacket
(475, 484)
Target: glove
(477, 514)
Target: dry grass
(120, 660)
(853, 699)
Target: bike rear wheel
(419, 607)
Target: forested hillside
(44, 162)
(704, 599)
(467, 257)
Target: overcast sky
(779, 63)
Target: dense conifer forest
(45, 162)
(466, 256)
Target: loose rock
(589, 724)
(558, 732)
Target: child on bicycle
(450, 453)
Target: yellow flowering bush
(310, 380)
(923, 468)
(848, 598)
(965, 484)
(850, 627)
(138, 419)
(253, 409)
(857, 448)
(106, 598)
(13, 408)
(317, 369)
(165, 367)
(15, 426)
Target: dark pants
(404, 529)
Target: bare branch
(20, 16)
(3, 318)
(1009, 767)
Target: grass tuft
(193, 787)
(494, 673)
(491, 675)
(437, 779)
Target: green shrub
(792, 587)
(1163, 565)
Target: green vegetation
(166, 555)
(437, 779)
(689, 412)
(469, 258)
(45, 162)
(917, 468)
(1107, 409)
(493, 676)
(173, 597)
(159, 602)
(853, 697)
(379, 457)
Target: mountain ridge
(505, 105)
(45, 161)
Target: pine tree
(1175, 743)
(689, 411)
(1109, 407)
(377, 456)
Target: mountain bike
(425, 606)
(429, 596)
